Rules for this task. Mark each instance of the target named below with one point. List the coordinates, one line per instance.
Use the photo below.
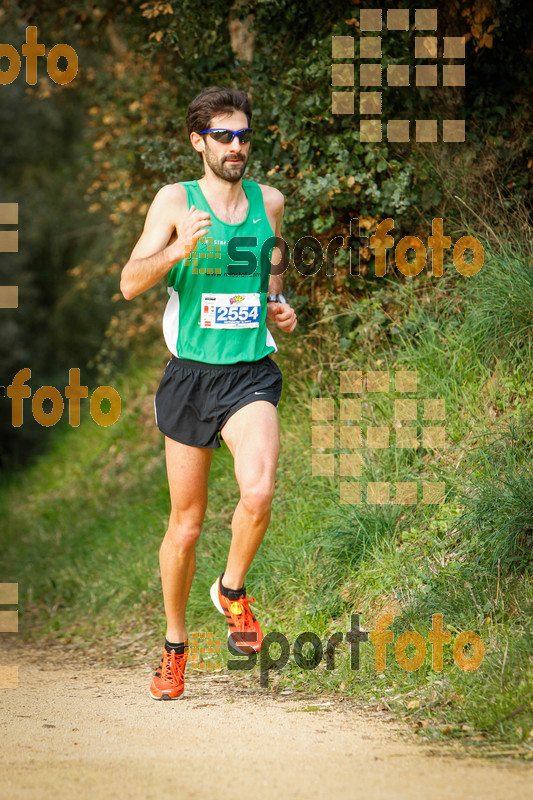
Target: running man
(220, 379)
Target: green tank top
(216, 311)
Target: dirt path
(91, 730)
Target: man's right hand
(153, 256)
(195, 225)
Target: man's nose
(235, 145)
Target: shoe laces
(240, 610)
(174, 666)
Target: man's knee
(183, 535)
(257, 497)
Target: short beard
(232, 175)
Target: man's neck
(221, 192)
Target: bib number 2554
(230, 311)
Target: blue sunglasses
(225, 136)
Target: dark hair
(216, 100)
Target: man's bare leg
(187, 470)
(252, 435)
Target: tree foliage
(112, 137)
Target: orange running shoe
(167, 683)
(245, 635)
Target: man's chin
(233, 172)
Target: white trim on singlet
(270, 341)
(171, 321)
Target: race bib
(230, 311)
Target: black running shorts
(195, 400)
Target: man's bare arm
(275, 284)
(153, 256)
(282, 313)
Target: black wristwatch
(275, 298)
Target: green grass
(84, 523)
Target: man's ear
(197, 142)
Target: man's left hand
(283, 315)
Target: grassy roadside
(84, 523)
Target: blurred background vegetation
(84, 162)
